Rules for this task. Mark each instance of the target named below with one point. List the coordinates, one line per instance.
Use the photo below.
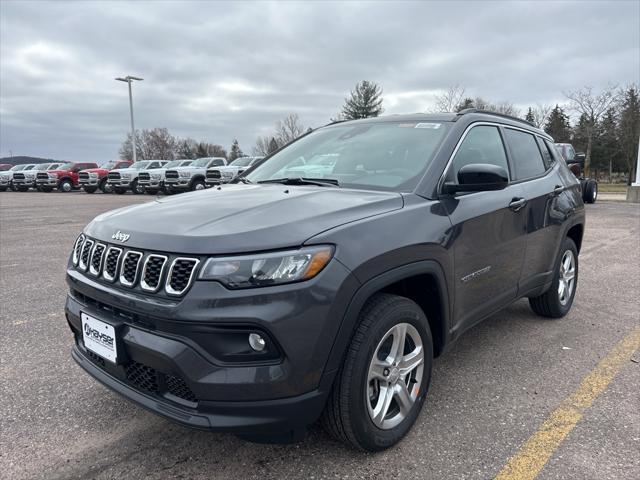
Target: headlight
(184, 174)
(155, 176)
(93, 174)
(29, 175)
(265, 269)
(226, 174)
(53, 175)
(125, 175)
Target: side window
(527, 159)
(154, 165)
(216, 163)
(547, 156)
(482, 144)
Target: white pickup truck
(191, 177)
(218, 175)
(127, 178)
(153, 181)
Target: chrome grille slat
(129, 268)
(86, 253)
(77, 248)
(152, 271)
(112, 260)
(180, 275)
(95, 265)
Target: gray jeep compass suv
(312, 289)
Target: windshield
(140, 165)
(65, 166)
(176, 163)
(42, 166)
(108, 165)
(201, 162)
(242, 161)
(16, 168)
(384, 156)
(29, 167)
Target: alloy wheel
(395, 376)
(567, 277)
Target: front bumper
(91, 182)
(185, 339)
(50, 182)
(119, 183)
(23, 183)
(178, 184)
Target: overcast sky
(216, 71)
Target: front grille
(42, 176)
(129, 268)
(214, 176)
(180, 275)
(152, 272)
(144, 177)
(77, 249)
(111, 263)
(142, 376)
(177, 386)
(113, 175)
(83, 176)
(147, 271)
(96, 259)
(86, 251)
(171, 175)
(96, 358)
(18, 176)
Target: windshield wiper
(320, 182)
(243, 180)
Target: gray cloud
(216, 71)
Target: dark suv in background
(260, 306)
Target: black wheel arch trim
(367, 289)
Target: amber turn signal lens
(318, 262)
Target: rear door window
(527, 159)
(547, 156)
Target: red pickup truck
(93, 179)
(64, 178)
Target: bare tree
(585, 102)
(540, 114)
(450, 99)
(261, 148)
(288, 129)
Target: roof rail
(489, 112)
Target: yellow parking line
(527, 463)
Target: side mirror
(579, 158)
(479, 177)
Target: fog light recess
(256, 342)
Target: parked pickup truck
(218, 175)
(64, 178)
(26, 179)
(152, 182)
(192, 177)
(127, 178)
(575, 161)
(93, 179)
(5, 166)
(6, 178)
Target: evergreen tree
(364, 102)
(558, 125)
(466, 103)
(629, 130)
(580, 134)
(530, 117)
(606, 146)
(273, 146)
(235, 151)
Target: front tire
(120, 190)
(556, 302)
(135, 188)
(197, 185)
(65, 186)
(381, 386)
(104, 186)
(90, 189)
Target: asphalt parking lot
(493, 392)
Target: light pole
(129, 79)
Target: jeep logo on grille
(121, 237)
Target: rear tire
(90, 189)
(590, 191)
(119, 190)
(355, 412)
(556, 302)
(197, 185)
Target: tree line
(606, 126)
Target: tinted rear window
(527, 160)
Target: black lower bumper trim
(260, 418)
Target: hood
(129, 170)
(240, 218)
(58, 171)
(94, 170)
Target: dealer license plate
(99, 337)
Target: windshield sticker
(407, 125)
(434, 126)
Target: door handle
(558, 190)
(517, 203)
